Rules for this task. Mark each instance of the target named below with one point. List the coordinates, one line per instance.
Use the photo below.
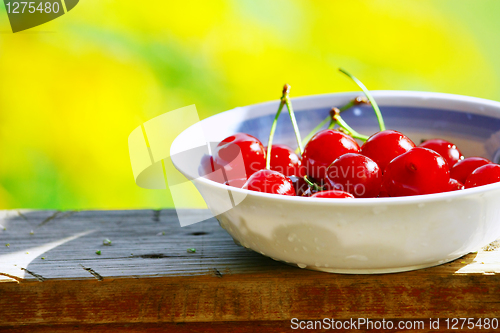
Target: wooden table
(52, 280)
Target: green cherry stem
(370, 98)
(337, 119)
(273, 127)
(333, 120)
(288, 103)
(355, 101)
(351, 131)
(313, 185)
(285, 100)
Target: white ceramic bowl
(377, 235)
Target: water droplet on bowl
(421, 205)
(305, 249)
(301, 265)
(291, 237)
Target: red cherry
(270, 181)
(324, 148)
(455, 185)
(384, 146)
(356, 174)
(383, 192)
(444, 148)
(253, 155)
(284, 160)
(418, 171)
(484, 175)
(206, 166)
(462, 169)
(332, 194)
(208, 169)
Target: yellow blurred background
(73, 89)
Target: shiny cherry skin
(455, 185)
(382, 147)
(462, 169)
(269, 181)
(418, 171)
(284, 160)
(251, 160)
(210, 170)
(333, 194)
(356, 174)
(324, 148)
(444, 148)
(383, 192)
(484, 175)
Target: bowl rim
(442, 196)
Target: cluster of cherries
(333, 165)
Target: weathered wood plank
(148, 277)
(144, 243)
(280, 296)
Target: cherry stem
(380, 119)
(355, 101)
(313, 185)
(288, 103)
(285, 100)
(341, 122)
(273, 129)
(338, 120)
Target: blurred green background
(73, 89)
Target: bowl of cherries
(359, 183)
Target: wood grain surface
(147, 278)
